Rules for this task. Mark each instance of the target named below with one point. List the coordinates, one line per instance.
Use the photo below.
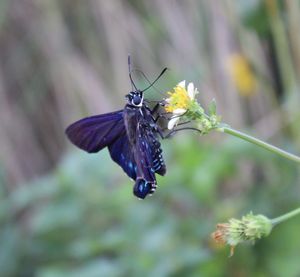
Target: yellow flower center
(179, 99)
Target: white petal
(182, 84)
(179, 111)
(191, 91)
(173, 121)
(168, 100)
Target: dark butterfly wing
(96, 132)
(121, 152)
(145, 182)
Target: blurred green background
(66, 213)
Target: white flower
(175, 118)
(179, 102)
(192, 91)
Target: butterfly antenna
(130, 77)
(151, 84)
(147, 79)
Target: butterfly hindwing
(145, 182)
(148, 158)
(96, 132)
(121, 152)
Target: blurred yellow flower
(242, 74)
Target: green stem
(259, 142)
(285, 216)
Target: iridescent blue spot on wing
(121, 152)
(96, 132)
(142, 188)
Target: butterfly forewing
(96, 132)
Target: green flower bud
(249, 228)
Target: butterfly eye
(136, 100)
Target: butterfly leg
(163, 136)
(157, 106)
(160, 132)
(161, 116)
(173, 132)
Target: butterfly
(131, 136)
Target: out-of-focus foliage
(66, 213)
(84, 220)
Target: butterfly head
(135, 98)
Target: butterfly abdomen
(158, 164)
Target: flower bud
(249, 228)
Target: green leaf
(212, 108)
